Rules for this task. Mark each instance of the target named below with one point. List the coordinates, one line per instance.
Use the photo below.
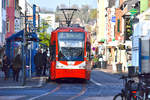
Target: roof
(19, 35)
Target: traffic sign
(93, 48)
(133, 11)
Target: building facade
(101, 20)
(2, 21)
(10, 17)
(115, 26)
(125, 13)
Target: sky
(52, 4)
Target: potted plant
(95, 60)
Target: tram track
(58, 88)
(80, 93)
(47, 93)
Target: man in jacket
(38, 61)
(44, 62)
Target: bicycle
(143, 91)
(127, 93)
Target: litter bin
(119, 67)
(131, 70)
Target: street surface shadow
(71, 81)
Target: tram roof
(74, 26)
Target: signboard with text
(17, 25)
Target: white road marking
(99, 98)
(96, 83)
(10, 97)
(13, 87)
(41, 81)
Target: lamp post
(24, 47)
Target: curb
(40, 84)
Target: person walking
(38, 61)
(17, 63)
(5, 68)
(45, 62)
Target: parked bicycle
(128, 92)
(143, 92)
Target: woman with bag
(5, 67)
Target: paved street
(102, 86)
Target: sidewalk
(30, 83)
(109, 70)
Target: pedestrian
(17, 63)
(38, 61)
(6, 66)
(45, 62)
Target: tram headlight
(82, 67)
(59, 65)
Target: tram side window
(53, 52)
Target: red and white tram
(70, 53)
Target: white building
(50, 18)
(26, 6)
(101, 20)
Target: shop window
(8, 26)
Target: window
(71, 46)
(16, 3)
(8, 26)
(118, 28)
(8, 2)
(4, 4)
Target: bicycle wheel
(139, 96)
(119, 97)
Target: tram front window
(71, 46)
